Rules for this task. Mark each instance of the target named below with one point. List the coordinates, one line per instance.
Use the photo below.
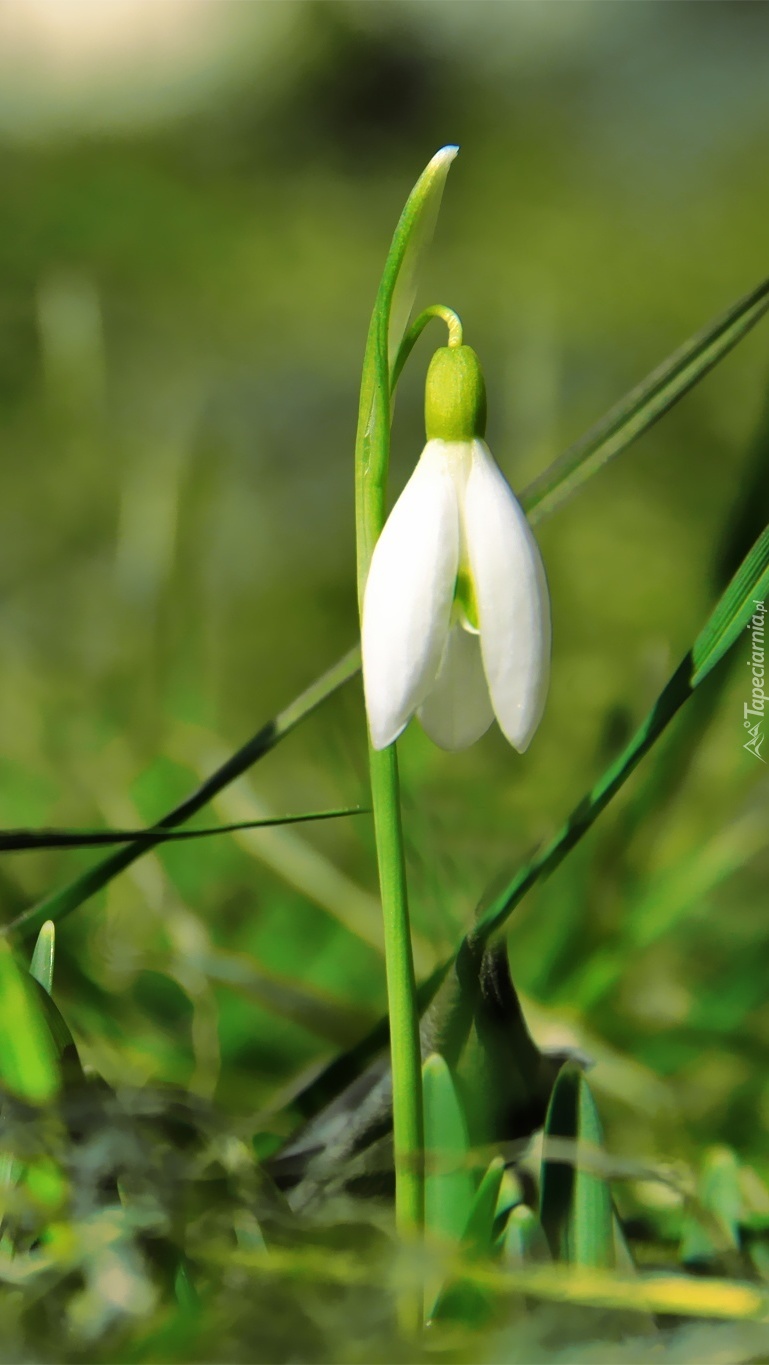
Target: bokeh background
(196, 201)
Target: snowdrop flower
(456, 614)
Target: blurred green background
(195, 208)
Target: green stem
(436, 310)
(371, 465)
(372, 457)
(408, 1124)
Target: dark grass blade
(23, 840)
(575, 1204)
(62, 902)
(645, 404)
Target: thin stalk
(408, 1122)
(372, 453)
(371, 463)
(436, 310)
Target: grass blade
(479, 1231)
(575, 1204)
(645, 404)
(22, 840)
(723, 627)
(449, 1181)
(41, 966)
(28, 1061)
(62, 902)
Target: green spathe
(455, 395)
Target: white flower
(456, 618)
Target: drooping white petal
(457, 710)
(512, 597)
(408, 597)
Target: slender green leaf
(410, 243)
(712, 1223)
(22, 840)
(389, 319)
(459, 1300)
(575, 1204)
(478, 1237)
(449, 1180)
(41, 966)
(746, 592)
(645, 404)
(723, 627)
(28, 1062)
(62, 1042)
(62, 902)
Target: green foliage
(41, 966)
(575, 1204)
(28, 1061)
(175, 370)
(449, 1180)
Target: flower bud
(455, 395)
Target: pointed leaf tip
(41, 966)
(412, 239)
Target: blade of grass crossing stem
(62, 902)
(41, 966)
(724, 626)
(645, 404)
(28, 1062)
(575, 1204)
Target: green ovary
(465, 608)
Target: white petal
(457, 710)
(512, 596)
(408, 597)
